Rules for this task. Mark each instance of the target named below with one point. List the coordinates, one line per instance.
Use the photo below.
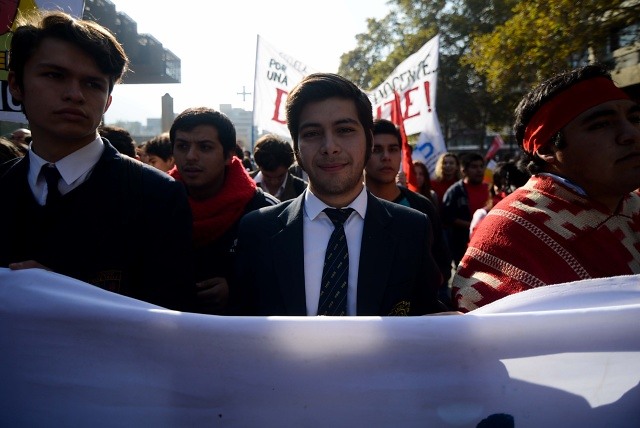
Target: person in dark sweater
(220, 193)
(74, 202)
(380, 177)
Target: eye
(600, 124)
(377, 149)
(345, 130)
(309, 133)
(96, 85)
(52, 74)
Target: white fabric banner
(9, 108)
(415, 80)
(74, 355)
(276, 74)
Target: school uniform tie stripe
(52, 177)
(335, 274)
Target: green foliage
(542, 38)
(491, 51)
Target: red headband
(556, 113)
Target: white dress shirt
(259, 178)
(74, 169)
(317, 229)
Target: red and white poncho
(546, 233)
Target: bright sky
(216, 42)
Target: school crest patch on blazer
(400, 309)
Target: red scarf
(214, 216)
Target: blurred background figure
(424, 183)
(9, 151)
(274, 157)
(446, 174)
(119, 138)
(21, 138)
(158, 152)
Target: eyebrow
(598, 114)
(346, 120)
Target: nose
(330, 145)
(192, 152)
(630, 133)
(73, 91)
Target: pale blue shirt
(317, 229)
(74, 169)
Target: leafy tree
(462, 101)
(543, 37)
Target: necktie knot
(338, 216)
(51, 176)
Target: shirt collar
(579, 190)
(314, 206)
(72, 166)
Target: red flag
(496, 145)
(407, 163)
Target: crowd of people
(318, 226)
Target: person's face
(602, 153)
(274, 179)
(159, 163)
(201, 161)
(419, 176)
(65, 95)
(384, 163)
(449, 166)
(474, 173)
(332, 145)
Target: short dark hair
(540, 95)
(160, 146)
(271, 152)
(468, 158)
(92, 38)
(384, 126)
(196, 116)
(322, 86)
(119, 138)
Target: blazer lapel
(378, 246)
(289, 258)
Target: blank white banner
(74, 355)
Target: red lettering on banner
(408, 104)
(280, 96)
(428, 95)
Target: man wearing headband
(577, 217)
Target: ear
(548, 154)
(14, 89)
(229, 158)
(106, 107)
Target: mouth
(633, 157)
(332, 167)
(71, 113)
(191, 172)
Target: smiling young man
(220, 193)
(75, 201)
(336, 249)
(577, 217)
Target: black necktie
(335, 275)
(52, 176)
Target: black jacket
(126, 229)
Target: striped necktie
(335, 275)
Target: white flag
(276, 74)
(415, 80)
(10, 110)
